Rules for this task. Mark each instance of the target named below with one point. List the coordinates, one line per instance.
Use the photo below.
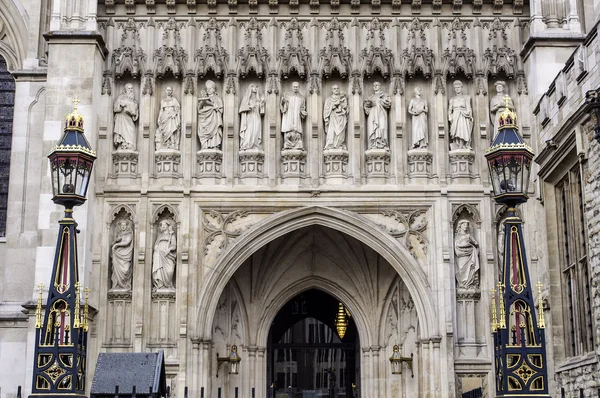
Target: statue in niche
(466, 256)
(335, 115)
(122, 256)
(251, 109)
(169, 122)
(498, 103)
(293, 110)
(164, 257)
(125, 109)
(418, 109)
(460, 116)
(377, 119)
(210, 117)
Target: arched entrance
(307, 356)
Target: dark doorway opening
(307, 358)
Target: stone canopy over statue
(376, 109)
(293, 111)
(125, 109)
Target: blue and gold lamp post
(519, 344)
(61, 335)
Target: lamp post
(61, 336)
(519, 341)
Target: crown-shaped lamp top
(74, 119)
(507, 118)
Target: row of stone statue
(164, 256)
(293, 111)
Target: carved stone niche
(212, 57)
(466, 258)
(129, 58)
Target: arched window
(7, 106)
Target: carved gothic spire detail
(294, 56)
(334, 56)
(419, 58)
(129, 57)
(253, 57)
(459, 57)
(500, 57)
(211, 57)
(170, 57)
(376, 57)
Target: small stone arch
(14, 31)
(160, 213)
(119, 210)
(347, 222)
(268, 315)
(466, 208)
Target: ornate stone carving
(500, 57)
(334, 56)
(466, 256)
(251, 109)
(418, 109)
(253, 57)
(294, 57)
(129, 56)
(418, 57)
(106, 82)
(168, 131)
(148, 87)
(220, 229)
(376, 58)
(416, 6)
(121, 255)
(460, 115)
(170, 57)
(210, 117)
(212, 56)
(164, 257)
(293, 110)
(125, 110)
(335, 116)
(191, 5)
(409, 228)
(376, 108)
(458, 58)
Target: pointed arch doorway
(307, 358)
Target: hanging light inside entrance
(341, 320)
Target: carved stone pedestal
(118, 320)
(209, 165)
(461, 165)
(336, 165)
(167, 163)
(419, 163)
(163, 319)
(251, 165)
(125, 163)
(293, 165)
(378, 165)
(467, 302)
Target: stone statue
(498, 103)
(377, 119)
(251, 109)
(418, 109)
(169, 122)
(122, 256)
(293, 110)
(335, 115)
(126, 114)
(460, 116)
(466, 251)
(164, 257)
(210, 117)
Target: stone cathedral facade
(263, 166)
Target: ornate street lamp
(397, 359)
(233, 359)
(61, 336)
(519, 341)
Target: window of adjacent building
(7, 105)
(574, 264)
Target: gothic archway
(347, 222)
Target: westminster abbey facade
(303, 184)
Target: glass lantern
(71, 164)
